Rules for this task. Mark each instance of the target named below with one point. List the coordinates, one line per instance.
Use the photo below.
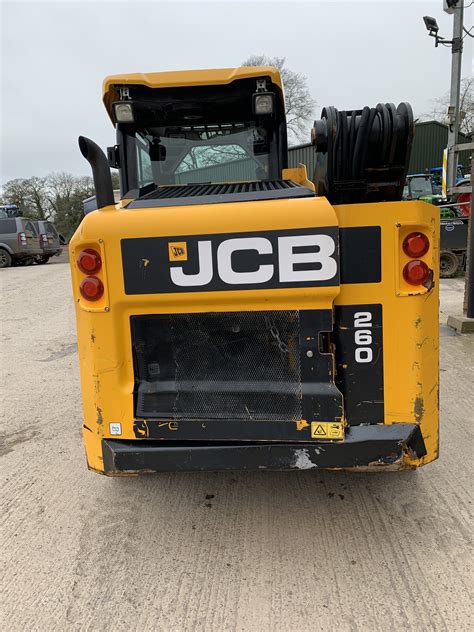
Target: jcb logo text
(307, 257)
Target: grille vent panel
(193, 190)
(207, 193)
(242, 365)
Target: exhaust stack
(100, 171)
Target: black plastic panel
(359, 361)
(360, 254)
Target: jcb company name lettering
(320, 262)
(305, 257)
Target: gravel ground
(242, 551)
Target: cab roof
(183, 78)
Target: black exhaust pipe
(104, 191)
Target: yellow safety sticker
(327, 430)
(178, 251)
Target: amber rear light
(89, 261)
(416, 245)
(91, 288)
(416, 272)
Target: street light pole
(454, 107)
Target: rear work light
(89, 261)
(91, 288)
(416, 245)
(416, 272)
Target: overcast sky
(54, 56)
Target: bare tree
(38, 198)
(57, 197)
(299, 104)
(29, 194)
(211, 155)
(66, 193)
(439, 110)
(16, 192)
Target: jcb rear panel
(268, 333)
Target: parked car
(48, 239)
(19, 243)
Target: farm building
(429, 142)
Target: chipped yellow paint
(143, 429)
(410, 319)
(301, 425)
(171, 425)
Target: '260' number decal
(363, 337)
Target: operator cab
(231, 131)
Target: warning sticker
(327, 430)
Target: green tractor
(420, 186)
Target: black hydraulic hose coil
(363, 154)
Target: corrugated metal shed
(227, 172)
(304, 154)
(429, 142)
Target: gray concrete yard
(261, 551)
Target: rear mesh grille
(242, 365)
(192, 190)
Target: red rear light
(91, 288)
(416, 272)
(22, 239)
(416, 245)
(44, 239)
(89, 261)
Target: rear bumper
(374, 447)
(51, 251)
(26, 254)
